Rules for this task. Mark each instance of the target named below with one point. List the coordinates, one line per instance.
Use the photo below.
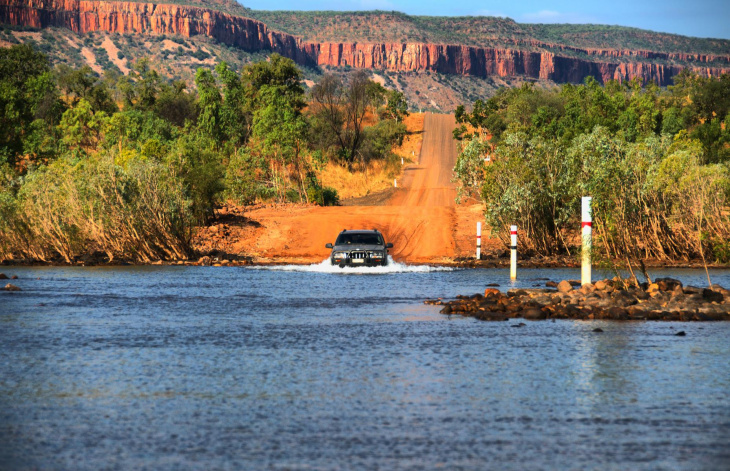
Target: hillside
(480, 31)
(437, 61)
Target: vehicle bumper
(367, 262)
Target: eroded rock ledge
(664, 300)
(539, 61)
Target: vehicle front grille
(358, 255)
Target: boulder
(636, 312)
(617, 313)
(624, 298)
(492, 292)
(14, 277)
(3, 276)
(712, 296)
(667, 284)
(551, 284)
(565, 286)
(596, 301)
(513, 307)
(544, 300)
(10, 287)
(587, 289)
(600, 285)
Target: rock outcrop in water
(530, 59)
(666, 300)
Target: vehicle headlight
(340, 255)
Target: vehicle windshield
(359, 239)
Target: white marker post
(395, 183)
(513, 253)
(586, 236)
(479, 241)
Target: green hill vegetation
(656, 162)
(621, 37)
(382, 26)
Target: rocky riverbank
(664, 300)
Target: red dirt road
(421, 219)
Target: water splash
(326, 267)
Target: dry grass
(355, 184)
(378, 176)
(412, 143)
(90, 58)
(111, 51)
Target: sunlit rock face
(252, 35)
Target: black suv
(357, 248)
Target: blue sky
(701, 18)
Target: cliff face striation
(532, 60)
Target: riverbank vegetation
(126, 167)
(656, 162)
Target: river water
(309, 368)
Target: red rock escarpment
(148, 18)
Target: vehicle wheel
(342, 265)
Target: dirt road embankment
(420, 217)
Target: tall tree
(235, 116)
(84, 84)
(28, 94)
(342, 107)
(209, 102)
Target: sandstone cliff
(531, 59)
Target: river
(309, 368)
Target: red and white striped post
(586, 236)
(479, 241)
(513, 253)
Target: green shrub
(323, 196)
(721, 250)
(139, 211)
